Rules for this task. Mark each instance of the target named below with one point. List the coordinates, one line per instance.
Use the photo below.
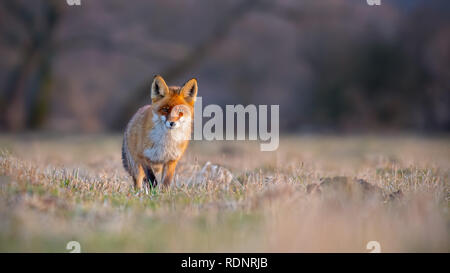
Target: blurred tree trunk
(13, 108)
(26, 102)
(40, 99)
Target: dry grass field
(55, 189)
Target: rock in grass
(212, 173)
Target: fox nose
(171, 124)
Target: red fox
(157, 136)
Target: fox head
(173, 105)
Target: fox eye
(165, 110)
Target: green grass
(57, 189)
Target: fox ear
(159, 88)
(189, 90)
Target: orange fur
(158, 134)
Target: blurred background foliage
(331, 65)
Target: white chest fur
(166, 142)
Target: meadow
(227, 196)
